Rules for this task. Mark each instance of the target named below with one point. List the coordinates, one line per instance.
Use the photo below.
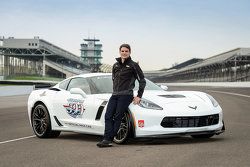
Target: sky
(161, 32)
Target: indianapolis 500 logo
(74, 107)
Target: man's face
(124, 52)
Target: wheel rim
(123, 130)
(40, 121)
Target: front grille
(190, 121)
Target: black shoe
(104, 143)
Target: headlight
(214, 102)
(149, 105)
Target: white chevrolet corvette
(79, 104)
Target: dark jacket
(124, 76)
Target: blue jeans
(116, 108)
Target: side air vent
(173, 96)
(100, 110)
(57, 121)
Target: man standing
(124, 73)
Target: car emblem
(193, 107)
(141, 123)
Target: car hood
(176, 102)
(181, 102)
(165, 97)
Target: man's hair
(126, 46)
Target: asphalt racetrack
(19, 146)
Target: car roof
(87, 75)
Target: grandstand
(38, 57)
(230, 66)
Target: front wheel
(123, 132)
(41, 123)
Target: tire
(41, 123)
(124, 130)
(203, 136)
(223, 127)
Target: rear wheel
(202, 136)
(41, 123)
(123, 132)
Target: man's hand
(136, 100)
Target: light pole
(62, 68)
(235, 69)
(58, 64)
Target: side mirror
(164, 87)
(78, 91)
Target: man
(124, 73)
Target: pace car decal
(80, 125)
(74, 107)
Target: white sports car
(79, 104)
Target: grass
(5, 85)
(46, 78)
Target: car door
(75, 111)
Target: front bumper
(152, 124)
(215, 129)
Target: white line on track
(22, 138)
(236, 94)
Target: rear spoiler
(42, 86)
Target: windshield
(104, 84)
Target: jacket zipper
(119, 79)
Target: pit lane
(72, 149)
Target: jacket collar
(119, 59)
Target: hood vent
(173, 96)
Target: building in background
(229, 66)
(35, 56)
(91, 53)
